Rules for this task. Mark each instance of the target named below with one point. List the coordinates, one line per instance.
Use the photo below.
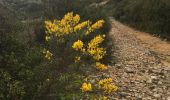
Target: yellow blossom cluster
(86, 87)
(95, 26)
(81, 25)
(100, 66)
(48, 54)
(94, 50)
(105, 98)
(107, 86)
(76, 19)
(51, 27)
(78, 45)
(63, 26)
(69, 24)
(98, 24)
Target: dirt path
(142, 69)
(156, 45)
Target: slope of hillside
(24, 9)
(151, 16)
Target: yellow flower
(81, 26)
(76, 18)
(49, 26)
(77, 59)
(100, 52)
(62, 27)
(86, 87)
(94, 50)
(48, 54)
(89, 30)
(106, 80)
(63, 22)
(107, 86)
(94, 26)
(96, 41)
(105, 98)
(68, 17)
(78, 45)
(98, 24)
(100, 66)
(47, 38)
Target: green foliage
(17, 63)
(24, 74)
(17, 69)
(151, 15)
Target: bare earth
(142, 69)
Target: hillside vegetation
(38, 64)
(148, 15)
(62, 50)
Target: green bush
(26, 75)
(71, 57)
(88, 13)
(17, 69)
(17, 63)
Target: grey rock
(149, 81)
(157, 95)
(160, 83)
(153, 77)
(168, 98)
(129, 70)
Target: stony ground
(139, 71)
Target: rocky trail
(142, 69)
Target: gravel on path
(138, 72)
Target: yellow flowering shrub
(70, 24)
(70, 35)
(100, 66)
(107, 86)
(86, 87)
(64, 26)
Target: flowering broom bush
(72, 44)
